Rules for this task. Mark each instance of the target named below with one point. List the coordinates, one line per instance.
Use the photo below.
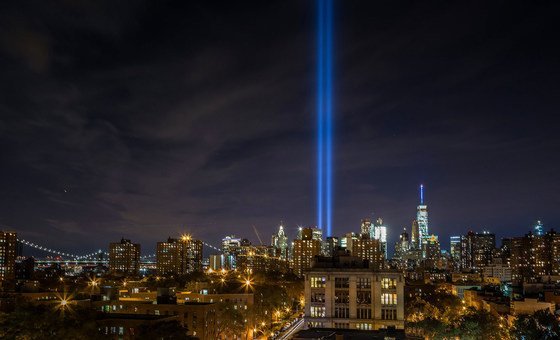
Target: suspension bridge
(98, 256)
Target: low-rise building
(530, 306)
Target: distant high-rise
(455, 250)
(179, 256)
(124, 257)
(8, 253)
(422, 218)
(380, 233)
(402, 246)
(538, 228)
(370, 250)
(535, 256)
(280, 243)
(366, 227)
(231, 246)
(477, 250)
(330, 246)
(433, 252)
(415, 238)
(304, 250)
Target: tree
(540, 325)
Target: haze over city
(149, 119)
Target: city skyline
(138, 121)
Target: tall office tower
(8, 254)
(380, 233)
(538, 228)
(299, 231)
(317, 234)
(343, 292)
(402, 246)
(370, 250)
(477, 250)
(280, 243)
(422, 218)
(330, 246)
(347, 240)
(304, 250)
(231, 246)
(124, 257)
(179, 256)
(366, 227)
(455, 250)
(415, 237)
(433, 252)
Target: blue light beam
(324, 114)
(320, 113)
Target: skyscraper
(380, 233)
(8, 253)
(124, 257)
(477, 250)
(179, 256)
(422, 218)
(280, 242)
(366, 227)
(415, 238)
(304, 250)
(538, 228)
(231, 246)
(402, 245)
(455, 250)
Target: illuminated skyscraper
(304, 250)
(370, 250)
(366, 228)
(124, 257)
(380, 233)
(280, 243)
(415, 239)
(402, 246)
(477, 250)
(538, 228)
(179, 256)
(422, 218)
(8, 253)
(455, 250)
(231, 246)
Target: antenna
(421, 194)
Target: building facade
(8, 254)
(124, 257)
(477, 250)
(343, 292)
(304, 250)
(179, 256)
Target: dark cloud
(146, 119)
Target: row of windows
(389, 314)
(317, 312)
(389, 299)
(318, 282)
(388, 283)
(341, 312)
(341, 296)
(344, 282)
(341, 282)
(364, 313)
(364, 326)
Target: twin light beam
(324, 114)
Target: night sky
(149, 119)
